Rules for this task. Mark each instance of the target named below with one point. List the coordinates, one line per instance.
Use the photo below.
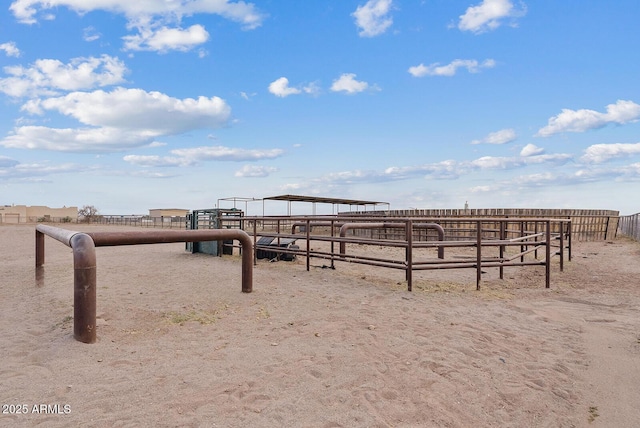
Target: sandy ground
(180, 345)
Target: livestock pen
(535, 240)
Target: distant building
(168, 212)
(25, 214)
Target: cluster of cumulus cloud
(156, 25)
(87, 89)
(112, 117)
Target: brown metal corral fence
(586, 225)
(114, 220)
(11, 218)
(175, 222)
(537, 239)
(630, 226)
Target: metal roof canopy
(322, 200)
(299, 198)
(236, 199)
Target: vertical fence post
(409, 253)
(547, 263)
(39, 248)
(332, 243)
(247, 266)
(84, 288)
(255, 242)
(308, 244)
(522, 247)
(535, 231)
(478, 253)
(502, 238)
(561, 246)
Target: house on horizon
(168, 212)
(15, 214)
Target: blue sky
(132, 105)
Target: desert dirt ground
(179, 345)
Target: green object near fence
(214, 218)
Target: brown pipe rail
(530, 234)
(313, 224)
(84, 262)
(348, 226)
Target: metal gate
(214, 218)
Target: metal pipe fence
(587, 225)
(629, 225)
(146, 222)
(530, 237)
(84, 262)
(134, 221)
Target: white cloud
(45, 169)
(621, 112)
(450, 69)
(280, 88)
(157, 161)
(488, 15)
(599, 153)
(291, 187)
(117, 120)
(312, 88)
(145, 173)
(6, 162)
(90, 34)
(481, 189)
(166, 39)
(240, 11)
(32, 171)
(152, 112)
(563, 177)
(541, 158)
(503, 136)
(217, 153)
(244, 13)
(10, 49)
(373, 18)
(348, 83)
(106, 139)
(631, 172)
(50, 76)
(157, 22)
(350, 177)
(535, 180)
(247, 96)
(445, 170)
(491, 162)
(195, 155)
(531, 150)
(255, 171)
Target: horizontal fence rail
(530, 236)
(630, 226)
(84, 262)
